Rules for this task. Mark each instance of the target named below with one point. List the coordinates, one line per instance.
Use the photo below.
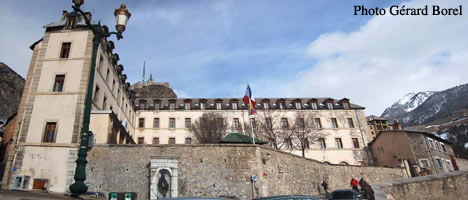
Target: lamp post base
(78, 188)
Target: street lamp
(122, 15)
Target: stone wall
(222, 170)
(441, 186)
(462, 163)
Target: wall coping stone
(424, 178)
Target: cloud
(388, 57)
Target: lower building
(421, 153)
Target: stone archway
(163, 178)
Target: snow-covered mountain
(423, 107)
(406, 104)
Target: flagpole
(251, 124)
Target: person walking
(368, 191)
(354, 184)
(325, 186)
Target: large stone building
(50, 115)
(341, 131)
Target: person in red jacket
(354, 184)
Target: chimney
(64, 15)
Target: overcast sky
(281, 48)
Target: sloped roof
(237, 138)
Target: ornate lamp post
(122, 15)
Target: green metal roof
(236, 138)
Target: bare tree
(209, 128)
(267, 127)
(304, 132)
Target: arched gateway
(163, 180)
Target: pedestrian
(325, 186)
(354, 184)
(368, 191)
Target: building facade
(50, 115)
(340, 135)
(421, 153)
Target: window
(157, 106)
(355, 143)
(236, 123)
(439, 163)
(443, 147)
(142, 105)
(171, 122)
(300, 123)
(252, 122)
(449, 165)
(96, 93)
(431, 143)
(424, 163)
(50, 132)
(156, 123)
(334, 123)
(202, 106)
(266, 105)
(284, 123)
(330, 105)
(281, 105)
(345, 105)
(288, 143)
(155, 140)
(141, 140)
(318, 124)
(234, 105)
(58, 84)
(314, 106)
(113, 85)
(218, 106)
(187, 106)
(338, 143)
(188, 122)
(171, 140)
(298, 105)
(323, 145)
(188, 140)
(438, 145)
(141, 123)
(172, 106)
(268, 123)
(350, 123)
(65, 52)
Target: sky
(294, 48)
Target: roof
(225, 103)
(431, 135)
(373, 117)
(240, 139)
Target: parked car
(345, 194)
(291, 197)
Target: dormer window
(234, 105)
(314, 105)
(330, 105)
(202, 106)
(345, 105)
(218, 106)
(171, 106)
(266, 105)
(298, 105)
(187, 106)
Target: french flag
(249, 100)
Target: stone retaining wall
(441, 186)
(462, 163)
(222, 170)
